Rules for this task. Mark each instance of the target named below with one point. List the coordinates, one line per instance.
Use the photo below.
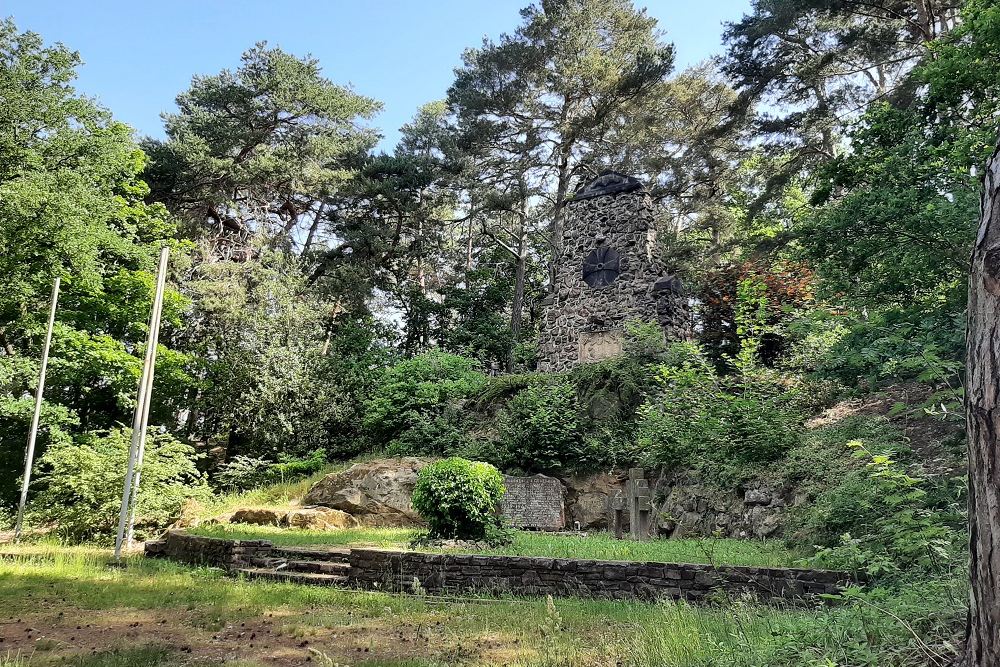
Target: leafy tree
(80, 484)
(541, 430)
(71, 204)
(472, 318)
(417, 407)
(550, 89)
(281, 371)
(257, 151)
(813, 65)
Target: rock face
(376, 493)
(587, 499)
(688, 508)
(320, 518)
(607, 273)
(684, 507)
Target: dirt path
(292, 638)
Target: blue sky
(139, 55)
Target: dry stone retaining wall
(197, 550)
(411, 571)
(438, 573)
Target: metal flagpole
(139, 408)
(30, 454)
(154, 341)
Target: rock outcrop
(320, 518)
(588, 497)
(258, 516)
(310, 518)
(376, 493)
(687, 508)
(684, 506)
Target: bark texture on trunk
(983, 423)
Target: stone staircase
(323, 567)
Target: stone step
(314, 579)
(320, 566)
(307, 553)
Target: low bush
(242, 473)
(891, 524)
(458, 498)
(699, 420)
(80, 487)
(418, 407)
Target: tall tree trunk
(562, 188)
(312, 229)
(517, 304)
(468, 241)
(983, 425)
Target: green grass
(596, 546)
(39, 580)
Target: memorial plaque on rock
(534, 502)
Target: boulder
(588, 498)
(376, 493)
(757, 497)
(258, 516)
(320, 518)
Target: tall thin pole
(33, 432)
(140, 407)
(154, 342)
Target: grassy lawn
(598, 546)
(66, 606)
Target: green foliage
(417, 407)
(279, 376)
(644, 341)
(56, 425)
(922, 343)
(72, 205)
(751, 322)
(701, 420)
(80, 485)
(895, 526)
(246, 472)
(473, 319)
(458, 498)
(540, 429)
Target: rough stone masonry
(607, 274)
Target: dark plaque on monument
(601, 267)
(534, 502)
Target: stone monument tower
(607, 274)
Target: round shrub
(458, 498)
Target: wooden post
(29, 456)
(982, 413)
(141, 406)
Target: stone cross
(640, 507)
(618, 514)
